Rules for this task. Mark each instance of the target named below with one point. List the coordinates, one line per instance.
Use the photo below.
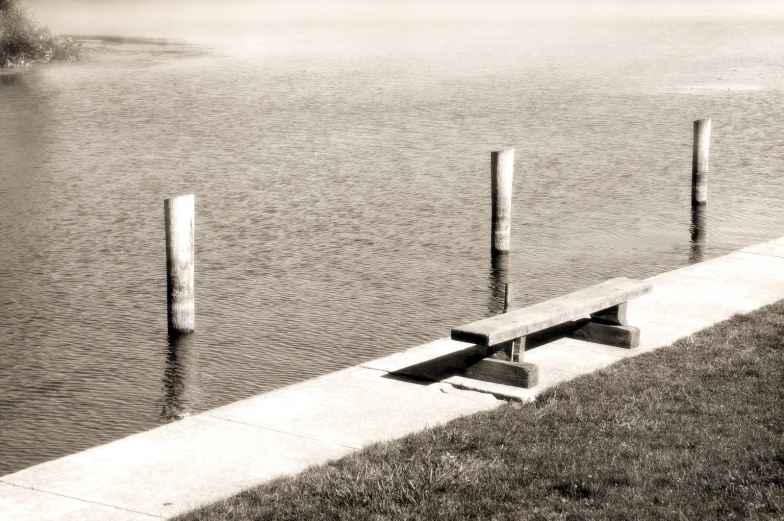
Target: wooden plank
(619, 336)
(524, 321)
(503, 372)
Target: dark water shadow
(498, 278)
(24, 79)
(698, 230)
(180, 388)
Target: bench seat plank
(524, 321)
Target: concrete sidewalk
(173, 468)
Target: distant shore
(104, 49)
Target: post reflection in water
(699, 232)
(499, 276)
(23, 79)
(179, 378)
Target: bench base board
(503, 372)
(627, 337)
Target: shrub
(24, 41)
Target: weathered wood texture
(614, 316)
(522, 322)
(512, 350)
(502, 173)
(699, 162)
(179, 217)
(503, 372)
(619, 336)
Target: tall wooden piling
(502, 172)
(179, 217)
(699, 162)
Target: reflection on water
(699, 233)
(342, 170)
(180, 385)
(499, 278)
(20, 79)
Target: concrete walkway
(173, 468)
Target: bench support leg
(511, 351)
(614, 316)
(619, 336)
(504, 372)
(518, 350)
(504, 365)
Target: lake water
(339, 154)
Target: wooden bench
(605, 303)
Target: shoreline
(172, 469)
(105, 49)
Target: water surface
(340, 162)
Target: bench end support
(504, 372)
(613, 316)
(627, 337)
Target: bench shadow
(455, 364)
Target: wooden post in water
(508, 296)
(699, 162)
(501, 171)
(179, 216)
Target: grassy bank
(24, 41)
(693, 431)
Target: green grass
(24, 41)
(692, 431)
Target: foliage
(693, 431)
(24, 41)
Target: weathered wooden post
(179, 216)
(699, 162)
(501, 174)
